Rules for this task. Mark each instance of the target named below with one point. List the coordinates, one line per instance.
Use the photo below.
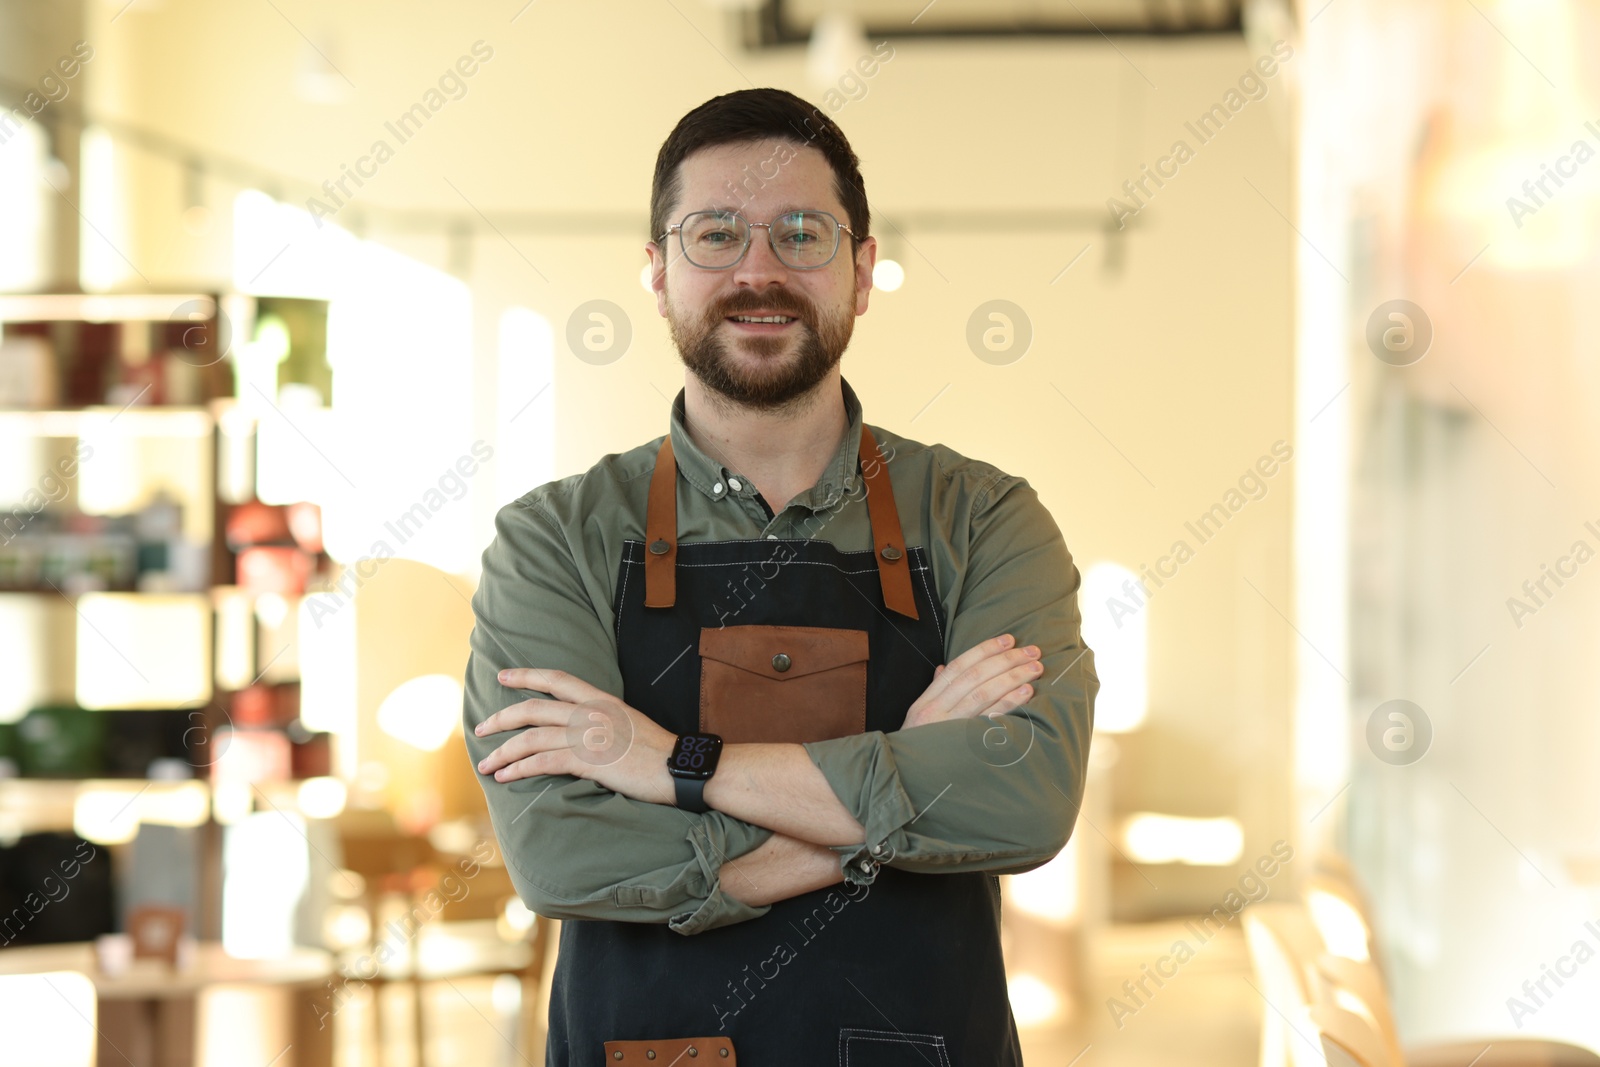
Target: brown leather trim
(661, 524)
(672, 1052)
(894, 573)
(661, 527)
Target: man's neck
(781, 453)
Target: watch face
(695, 755)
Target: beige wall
(1178, 360)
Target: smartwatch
(693, 761)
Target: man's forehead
(783, 175)
(771, 159)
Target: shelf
(131, 421)
(42, 805)
(106, 307)
(117, 805)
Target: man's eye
(715, 237)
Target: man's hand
(990, 678)
(585, 732)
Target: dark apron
(906, 971)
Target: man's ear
(658, 275)
(865, 259)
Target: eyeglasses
(718, 240)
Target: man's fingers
(975, 681)
(533, 712)
(982, 651)
(986, 681)
(537, 764)
(527, 743)
(1011, 701)
(540, 679)
(1003, 685)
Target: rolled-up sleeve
(983, 794)
(574, 849)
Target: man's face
(760, 365)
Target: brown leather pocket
(776, 684)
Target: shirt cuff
(861, 770)
(709, 839)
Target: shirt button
(717, 488)
(735, 484)
(772, 537)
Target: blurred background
(1277, 304)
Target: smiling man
(753, 704)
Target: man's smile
(756, 323)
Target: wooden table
(147, 1011)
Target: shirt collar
(707, 473)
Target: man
(708, 695)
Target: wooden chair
(1279, 936)
(1317, 962)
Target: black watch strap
(691, 794)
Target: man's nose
(760, 265)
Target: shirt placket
(730, 488)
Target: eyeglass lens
(801, 239)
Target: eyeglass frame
(748, 237)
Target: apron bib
(787, 639)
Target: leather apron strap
(661, 531)
(889, 542)
(889, 546)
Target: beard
(778, 381)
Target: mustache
(776, 302)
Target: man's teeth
(766, 318)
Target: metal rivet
(659, 547)
(649, 1053)
(780, 662)
(722, 1052)
(891, 552)
(693, 1051)
(616, 1055)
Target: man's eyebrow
(781, 209)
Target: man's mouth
(762, 321)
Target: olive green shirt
(997, 795)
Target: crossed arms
(943, 797)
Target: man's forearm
(779, 868)
(778, 787)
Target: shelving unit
(204, 451)
(192, 636)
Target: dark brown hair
(753, 116)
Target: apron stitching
(897, 630)
(630, 561)
(802, 562)
(623, 599)
(755, 540)
(931, 605)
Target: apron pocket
(782, 684)
(890, 1048)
